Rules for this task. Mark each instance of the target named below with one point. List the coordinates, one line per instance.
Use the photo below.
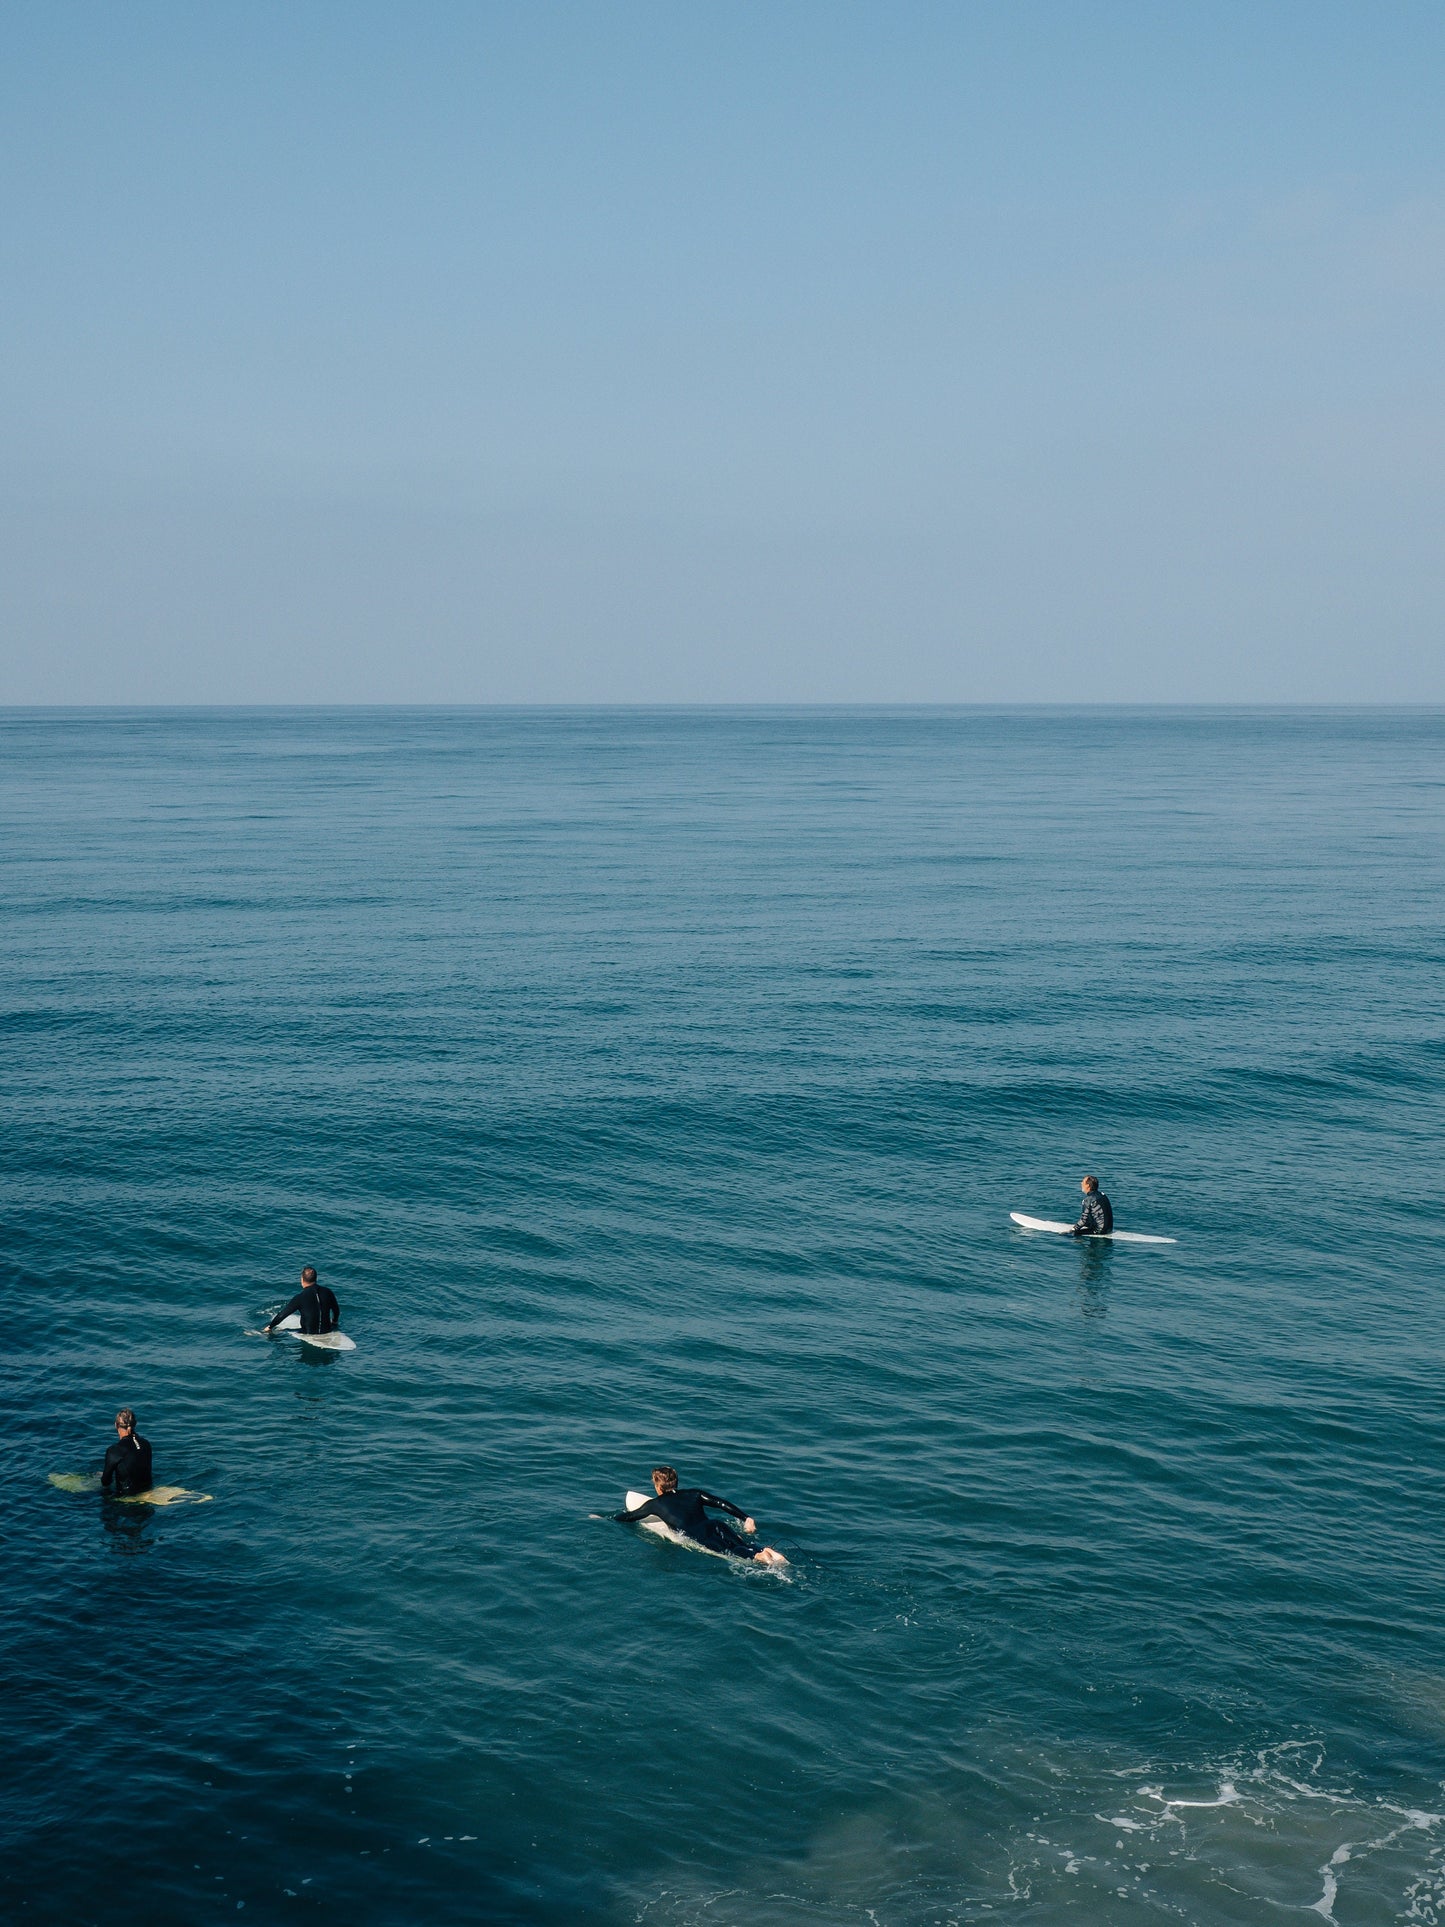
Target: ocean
(656, 1086)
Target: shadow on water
(1096, 1259)
(127, 1526)
(316, 1360)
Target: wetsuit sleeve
(331, 1307)
(107, 1477)
(647, 1510)
(285, 1312)
(722, 1505)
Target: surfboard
(157, 1495)
(1119, 1237)
(665, 1531)
(325, 1341)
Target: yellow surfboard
(157, 1495)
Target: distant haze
(780, 352)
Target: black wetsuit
(683, 1511)
(128, 1466)
(317, 1308)
(1097, 1216)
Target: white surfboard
(327, 1341)
(1066, 1230)
(665, 1531)
(157, 1495)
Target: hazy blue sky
(722, 352)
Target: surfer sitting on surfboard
(684, 1512)
(128, 1462)
(315, 1305)
(1097, 1218)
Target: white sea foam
(1273, 1827)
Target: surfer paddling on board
(315, 1305)
(686, 1513)
(128, 1462)
(1097, 1217)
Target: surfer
(1097, 1216)
(315, 1305)
(685, 1513)
(128, 1462)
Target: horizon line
(1279, 706)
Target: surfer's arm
(285, 1312)
(647, 1510)
(108, 1474)
(722, 1505)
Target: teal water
(658, 1086)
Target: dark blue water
(658, 1086)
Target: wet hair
(668, 1475)
(1091, 1184)
(126, 1417)
(308, 1275)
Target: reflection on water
(127, 1526)
(317, 1359)
(1096, 1259)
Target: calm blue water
(657, 1086)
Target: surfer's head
(664, 1479)
(1089, 1184)
(308, 1274)
(125, 1419)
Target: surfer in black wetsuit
(1097, 1216)
(685, 1512)
(128, 1462)
(314, 1304)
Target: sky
(1004, 351)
